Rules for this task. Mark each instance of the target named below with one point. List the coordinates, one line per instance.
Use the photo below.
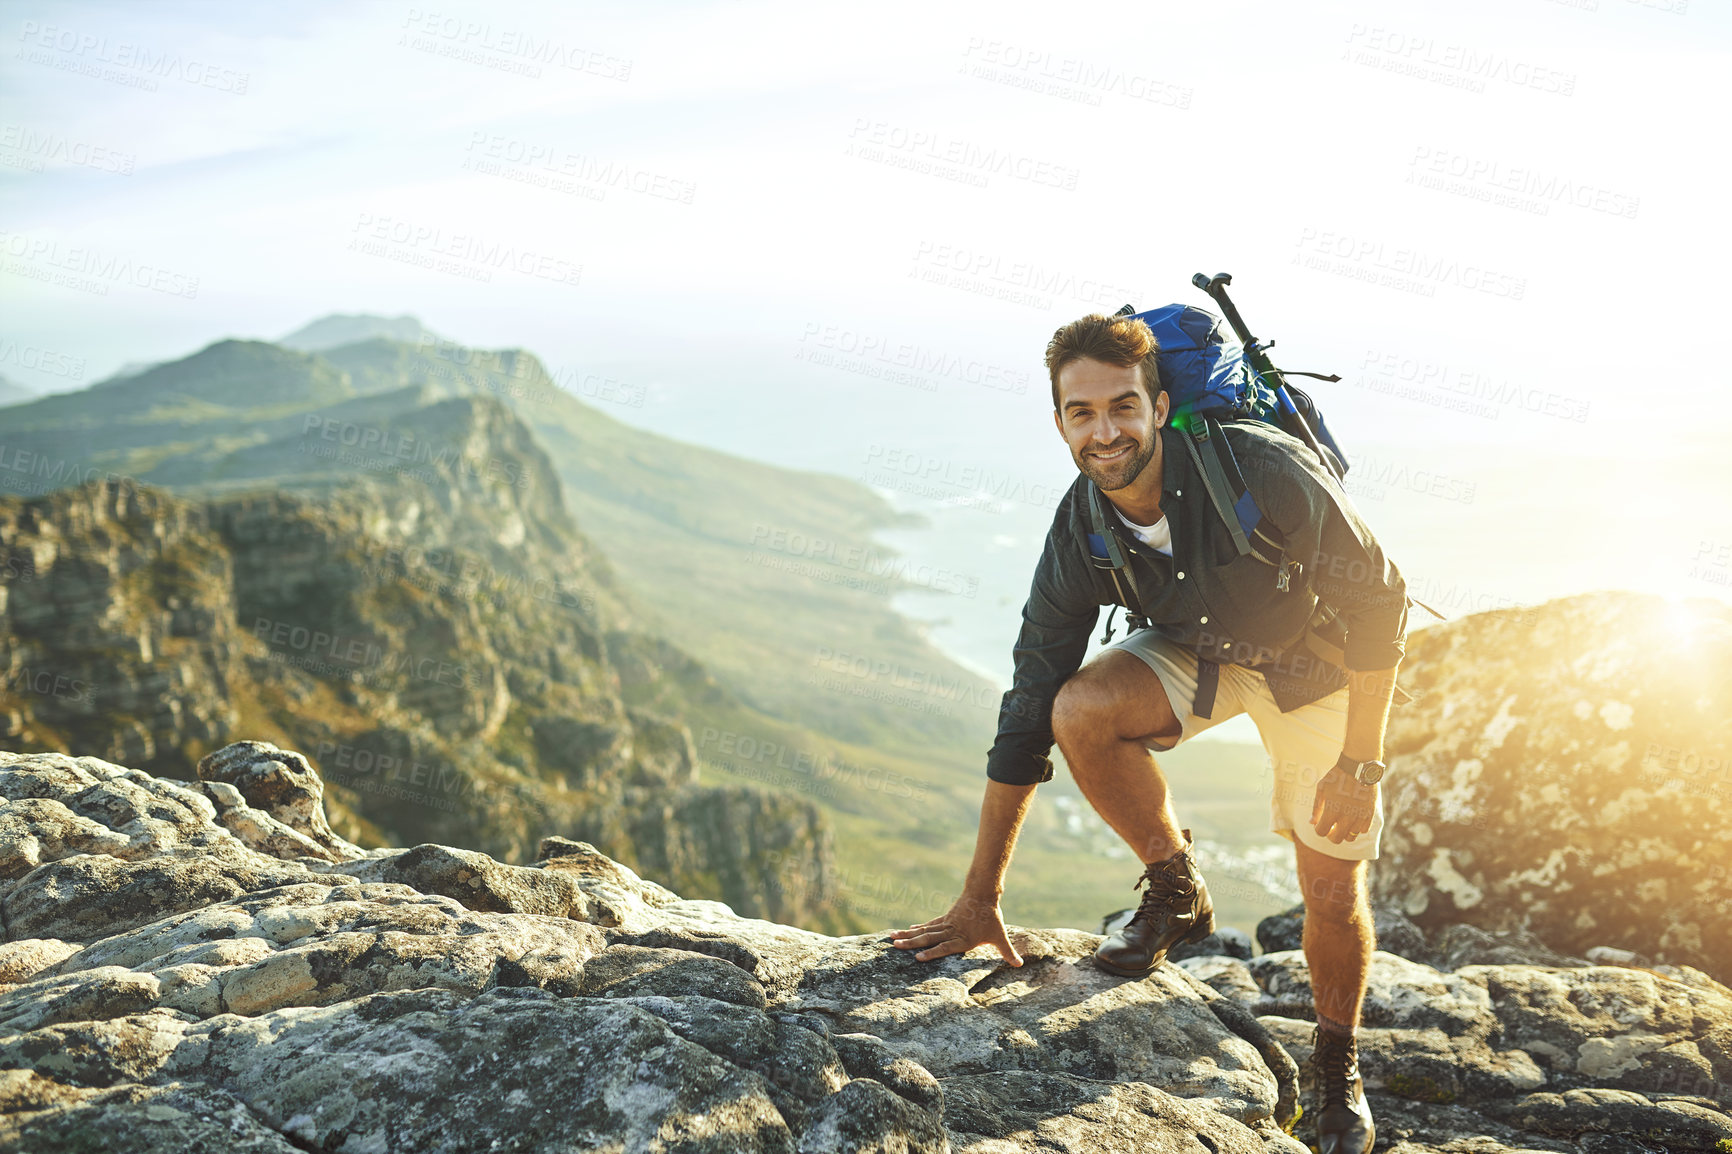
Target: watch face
(1370, 772)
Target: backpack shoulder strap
(1208, 463)
(1104, 553)
(1228, 491)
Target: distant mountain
(340, 329)
(768, 577)
(129, 369)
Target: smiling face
(1105, 417)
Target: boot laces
(1166, 886)
(1333, 1062)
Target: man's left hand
(1344, 806)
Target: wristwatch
(1364, 772)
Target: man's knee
(1114, 696)
(1081, 706)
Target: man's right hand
(971, 922)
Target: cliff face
(452, 656)
(211, 966)
(441, 639)
(1567, 770)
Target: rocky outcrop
(452, 656)
(205, 965)
(1567, 771)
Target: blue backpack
(1210, 376)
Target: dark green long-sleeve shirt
(1207, 597)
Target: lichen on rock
(182, 973)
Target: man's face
(1106, 420)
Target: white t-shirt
(1158, 535)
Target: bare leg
(1100, 720)
(1338, 937)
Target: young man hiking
(1228, 633)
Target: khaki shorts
(1302, 745)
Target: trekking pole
(1256, 352)
(1216, 287)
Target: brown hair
(1120, 341)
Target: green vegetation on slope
(769, 576)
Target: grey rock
(1032, 1110)
(1282, 931)
(629, 971)
(1229, 977)
(39, 1115)
(280, 784)
(90, 896)
(865, 1056)
(1395, 933)
(1670, 1124)
(866, 1117)
(1467, 945)
(474, 879)
(1556, 775)
(432, 1069)
(1225, 941)
(167, 977)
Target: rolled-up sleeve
(1056, 622)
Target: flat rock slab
(208, 967)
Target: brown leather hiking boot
(1343, 1116)
(1175, 908)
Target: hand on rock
(971, 922)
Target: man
(1227, 634)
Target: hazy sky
(838, 237)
